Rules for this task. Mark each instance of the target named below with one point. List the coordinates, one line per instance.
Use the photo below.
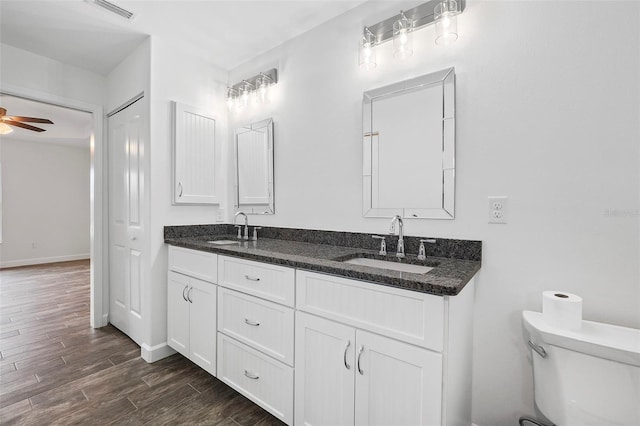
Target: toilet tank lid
(608, 341)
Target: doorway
(97, 198)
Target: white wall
(547, 114)
(39, 74)
(176, 76)
(45, 215)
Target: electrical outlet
(498, 209)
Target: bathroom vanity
(315, 340)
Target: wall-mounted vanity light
(254, 89)
(445, 17)
(367, 52)
(402, 37)
(400, 29)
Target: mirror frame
(255, 208)
(446, 78)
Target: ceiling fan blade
(24, 126)
(28, 119)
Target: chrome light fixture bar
(420, 15)
(257, 87)
(400, 28)
(113, 8)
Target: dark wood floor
(55, 369)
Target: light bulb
(366, 50)
(403, 37)
(245, 97)
(5, 129)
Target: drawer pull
(346, 348)
(189, 295)
(250, 278)
(251, 323)
(251, 375)
(358, 364)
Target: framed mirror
(408, 148)
(254, 168)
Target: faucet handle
(422, 255)
(255, 233)
(239, 231)
(383, 244)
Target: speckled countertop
(448, 277)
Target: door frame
(98, 200)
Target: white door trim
(99, 280)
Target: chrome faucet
(392, 231)
(246, 226)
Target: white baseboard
(41, 260)
(156, 353)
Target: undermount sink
(224, 242)
(385, 264)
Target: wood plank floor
(55, 369)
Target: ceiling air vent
(113, 8)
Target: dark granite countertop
(448, 276)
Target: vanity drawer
(271, 282)
(197, 264)
(263, 380)
(263, 325)
(410, 316)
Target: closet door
(127, 212)
(194, 156)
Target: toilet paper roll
(562, 310)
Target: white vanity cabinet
(375, 355)
(317, 349)
(191, 305)
(256, 332)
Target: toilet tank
(589, 377)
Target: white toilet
(589, 377)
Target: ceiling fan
(12, 120)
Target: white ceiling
(227, 33)
(71, 127)
(77, 32)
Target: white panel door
(127, 256)
(396, 383)
(202, 324)
(324, 379)
(178, 313)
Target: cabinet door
(396, 383)
(178, 313)
(202, 321)
(194, 156)
(324, 372)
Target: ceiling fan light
(5, 129)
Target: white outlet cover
(498, 209)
